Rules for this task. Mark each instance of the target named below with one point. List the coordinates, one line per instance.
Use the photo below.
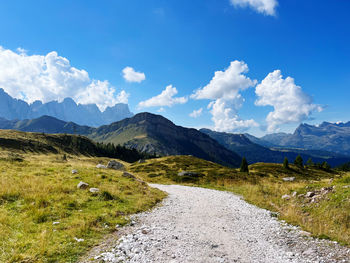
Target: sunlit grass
(41, 190)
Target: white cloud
(50, 77)
(290, 103)
(226, 83)
(161, 109)
(196, 113)
(224, 91)
(225, 117)
(166, 98)
(130, 75)
(267, 7)
(123, 97)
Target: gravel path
(202, 225)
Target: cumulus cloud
(224, 91)
(226, 83)
(51, 77)
(130, 75)
(165, 98)
(267, 7)
(123, 97)
(290, 103)
(196, 113)
(225, 117)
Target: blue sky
(183, 43)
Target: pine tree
(285, 163)
(299, 162)
(244, 166)
(326, 166)
(309, 162)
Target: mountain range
(155, 134)
(332, 137)
(145, 132)
(67, 110)
(254, 152)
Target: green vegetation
(65, 144)
(299, 161)
(344, 167)
(264, 186)
(286, 163)
(44, 217)
(244, 166)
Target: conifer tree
(285, 163)
(244, 166)
(299, 161)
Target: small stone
(144, 231)
(55, 223)
(101, 166)
(74, 171)
(82, 185)
(94, 190)
(309, 252)
(78, 239)
(287, 197)
(310, 194)
(294, 194)
(115, 165)
(288, 179)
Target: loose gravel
(201, 225)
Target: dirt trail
(202, 225)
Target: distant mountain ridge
(67, 110)
(145, 132)
(333, 137)
(254, 152)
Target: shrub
(106, 196)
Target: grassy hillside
(43, 213)
(64, 144)
(326, 217)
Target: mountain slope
(66, 110)
(46, 124)
(254, 152)
(152, 133)
(145, 132)
(327, 136)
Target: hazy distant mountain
(334, 137)
(66, 110)
(145, 132)
(254, 152)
